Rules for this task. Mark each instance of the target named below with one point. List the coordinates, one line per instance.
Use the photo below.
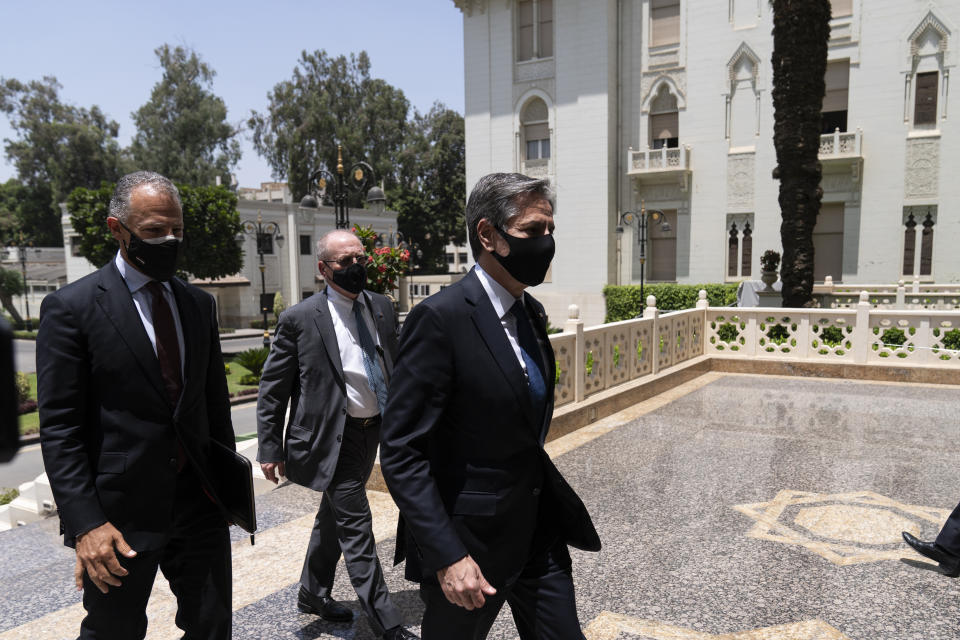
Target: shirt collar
(502, 299)
(341, 300)
(135, 279)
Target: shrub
(624, 301)
(250, 378)
(253, 360)
(258, 324)
(22, 384)
(27, 407)
(8, 495)
(770, 260)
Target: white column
(293, 257)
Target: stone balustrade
(591, 360)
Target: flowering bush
(386, 264)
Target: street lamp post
(640, 220)
(263, 232)
(341, 186)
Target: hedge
(624, 301)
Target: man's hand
(273, 470)
(464, 585)
(96, 556)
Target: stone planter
(768, 278)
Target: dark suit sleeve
(421, 385)
(62, 375)
(9, 424)
(218, 397)
(280, 372)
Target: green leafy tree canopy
(429, 196)
(330, 100)
(210, 220)
(58, 147)
(182, 131)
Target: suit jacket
(108, 431)
(9, 426)
(304, 368)
(462, 445)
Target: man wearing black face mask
(486, 517)
(132, 395)
(331, 360)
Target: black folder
(232, 476)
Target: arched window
(733, 251)
(927, 78)
(926, 219)
(535, 130)
(747, 254)
(664, 120)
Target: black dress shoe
(323, 606)
(399, 633)
(949, 563)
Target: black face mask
(529, 258)
(156, 257)
(351, 279)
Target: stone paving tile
(851, 462)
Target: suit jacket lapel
(491, 330)
(382, 330)
(540, 327)
(191, 323)
(117, 304)
(329, 336)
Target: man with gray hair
(486, 516)
(132, 397)
(331, 361)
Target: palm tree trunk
(801, 30)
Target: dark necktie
(168, 347)
(530, 349)
(371, 363)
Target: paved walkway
(733, 508)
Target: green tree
(210, 220)
(429, 196)
(58, 147)
(329, 101)
(801, 30)
(182, 131)
(11, 284)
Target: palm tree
(801, 30)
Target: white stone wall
(898, 166)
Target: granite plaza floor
(734, 507)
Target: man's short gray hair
(322, 250)
(500, 196)
(120, 201)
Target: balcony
(840, 146)
(660, 165)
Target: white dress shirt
(502, 301)
(361, 400)
(143, 301)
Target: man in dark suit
(9, 425)
(132, 393)
(486, 517)
(945, 549)
(331, 359)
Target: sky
(102, 52)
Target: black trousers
(344, 524)
(949, 537)
(542, 601)
(195, 561)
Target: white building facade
(668, 102)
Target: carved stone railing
(943, 297)
(595, 359)
(862, 335)
(839, 145)
(663, 159)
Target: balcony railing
(658, 160)
(838, 146)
